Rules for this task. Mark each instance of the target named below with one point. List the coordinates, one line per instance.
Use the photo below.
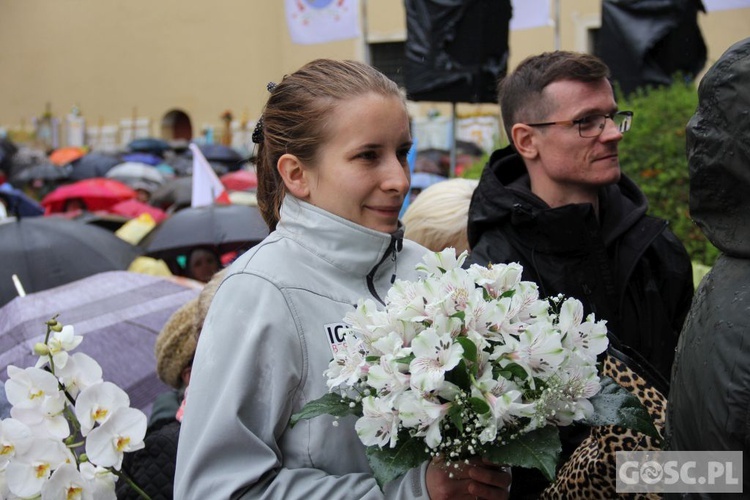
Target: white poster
(321, 21)
(713, 5)
(530, 14)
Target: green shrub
(653, 155)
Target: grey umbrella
(119, 313)
(94, 164)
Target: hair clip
(257, 136)
(270, 86)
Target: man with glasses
(556, 202)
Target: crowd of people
(331, 147)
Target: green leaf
(372, 358)
(330, 404)
(470, 348)
(539, 449)
(459, 314)
(516, 371)
(615, 405)
(459, 376)
(454, 414)
(479, 405)
(388, 463)
(406, 359)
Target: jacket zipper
(395, 246)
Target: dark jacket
(629, 268)
(709, 401)
(152, 468)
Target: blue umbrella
(19, 203)
(147, 158)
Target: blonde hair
(437, 218)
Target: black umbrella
(149, 145)
(119, 313)
(94, 164)
(45, 252)
(225, 228)
(45, 171)
(176, 193)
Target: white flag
(320, 21)
(207, 188)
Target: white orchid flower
(100, 481)
(81, 371)
(435, 354)
(122, 432)
(66, 483)
(27, 473)
(46, 420)
(28, 388)
(59, 344)
(15, 439)
(97, 403)
(378, 424)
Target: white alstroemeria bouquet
(68, 429)
(471, 362)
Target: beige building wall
(116, 59)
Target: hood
(718, 153)
(503, 196)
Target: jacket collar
(342, 243)
(504, 195)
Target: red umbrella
(239, 180)
(133, 208)
(97, 193)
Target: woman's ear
(292, 172)
(524, 140)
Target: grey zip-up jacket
(269, 335)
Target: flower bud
(57, 327)
(41, 349)
(83, 458)
(51, 322)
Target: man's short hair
(520, 93)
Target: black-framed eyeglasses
(593, 125)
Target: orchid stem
(132, 484)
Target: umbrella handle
(18, 285)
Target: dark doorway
(176, 125)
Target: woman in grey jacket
(332, 175)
